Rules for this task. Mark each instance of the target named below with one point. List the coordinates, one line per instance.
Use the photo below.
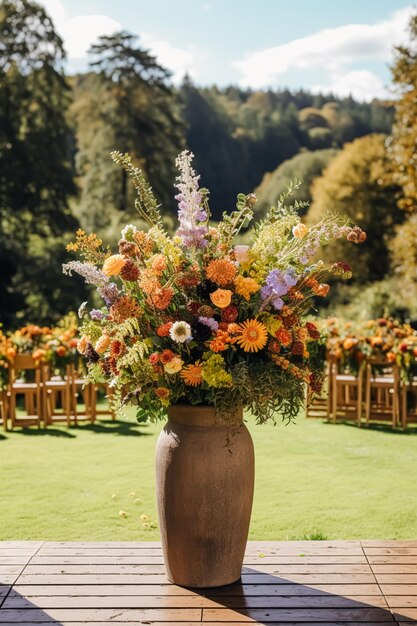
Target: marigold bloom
(158, 264)
(113, 264)
(221, 271)
(284, 336)
(253, 336)
(162, 297)
(220, 341)
(163, 330)
(221, 298)
(245, 287)
(102, 344)
(192, 374)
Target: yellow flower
(113, 264)
(246, 286)
(221, 298)
(192, 374)
(253, 336)
(174, 365)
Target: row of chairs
(35, 396)
(375, 394)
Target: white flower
(128, 232)
(180, 332)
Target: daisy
(180, 332)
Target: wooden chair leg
(404, 406)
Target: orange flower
(163, 330)
(11, 353)
(220, 341)
(300, 230)
(253, 336)
(113, 264)
(102, 344)
(82, 344)
(221, 271)
(246, 286)
(322, 290)
(349, 342)
(162, 392)
(221, 298)
(166, 356)
(162, 297)
(284, 336)
(158, 264)
(192, 374)
(61, 351)
(124, 308)
(148, 281)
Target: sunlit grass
(313, 481)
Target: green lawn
(313, 480)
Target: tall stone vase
(204, 495)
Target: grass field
(313, 480)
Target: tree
(305, 165)
(124, 103)
(36, 178)
(402, 143)
(355, 184)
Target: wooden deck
(291, 583)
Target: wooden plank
(298, 615)
(40, 559)
(390, 543)
(399, 590)
(397, 550)
(193, 601)
(401, 601)
(398, 568)
(396, 579)
(17, 616)
(108, 579)
(31, 591)
(300, 568)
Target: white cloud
(79, 31)
(331, 50)
(177, 60)
(360, 84)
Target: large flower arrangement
(195, 318)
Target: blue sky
(323, 45)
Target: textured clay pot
(204, 494)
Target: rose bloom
(154, 358)
(166, 356)
(241, 253)
(162, 392)
(221, 298)
(174, 365)
(113, 265)
(230, 313)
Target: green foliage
(36, 177)
(305, 165)
(356, 184)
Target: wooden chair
(79, 388)
(346, 395)
(382, 392)
(408, 402)
(31, 391)
(55, 390)
(3, 408)
(108, 394)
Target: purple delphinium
(110, 293)
(89, 272)
(278, 284)
(191, 214)
(210, 322)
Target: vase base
(210, 585)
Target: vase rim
(202, 415)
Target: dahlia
(221, 271)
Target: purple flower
(96, 314)
(88, 271)
(191, 214)
(278, 284)
(210, 322)
(110, 293)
